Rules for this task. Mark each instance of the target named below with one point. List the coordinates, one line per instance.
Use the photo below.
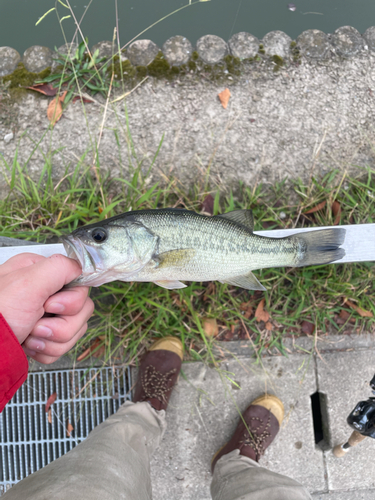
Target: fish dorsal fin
(243, 217)
(247, 281)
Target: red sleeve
(13, 364)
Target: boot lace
(254, 439)
(156, 384)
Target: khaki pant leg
(112, 463)
(239, 478)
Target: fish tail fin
(321, 247)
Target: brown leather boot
(263, 419)
(158, 372)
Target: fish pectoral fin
(247, 281)
(175, 257)
(243, 217)
(170, 284)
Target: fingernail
(55, 308)
(36, 344)
(29, 352)
(42, 331)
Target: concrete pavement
(203, 413)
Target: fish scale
(168, 246)
(217, 235)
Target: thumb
(49, 275)
(18, 261)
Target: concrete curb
(314, 44)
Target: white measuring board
(359, 244)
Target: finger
(50, 348)
(59, 328)
(19, 261)
(67, 302)
(46, 359)
(41, 358)
(49, 275)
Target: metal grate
(31, 438)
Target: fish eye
(99, 235)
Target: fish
(169, 246)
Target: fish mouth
(76, 250)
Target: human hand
(30, 286)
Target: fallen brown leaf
(336, 210)
(224, 98)
(229, 335)
(359, 310)
(266, 224)
(210, 327)
(269, 326)
(84, 354)
(50, 401)
(176, 299)
(247, 307)
(208, 204)
(89, 350)
(54, 110)
(44, 88)
(69, 429)
(50, 416)
(344, 315)
(210, 290)
(318, 207)
(261, 314)
(98, 353)
(307, 327)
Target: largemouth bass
(169, 246)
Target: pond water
(18, 19)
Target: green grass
(129, 316)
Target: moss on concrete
(121, 68)
(296, 55)
(192, 65)
(229, 68)
(21, 78)
(278, 62)
(141, 71)
(159, 67)
(233, 65)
